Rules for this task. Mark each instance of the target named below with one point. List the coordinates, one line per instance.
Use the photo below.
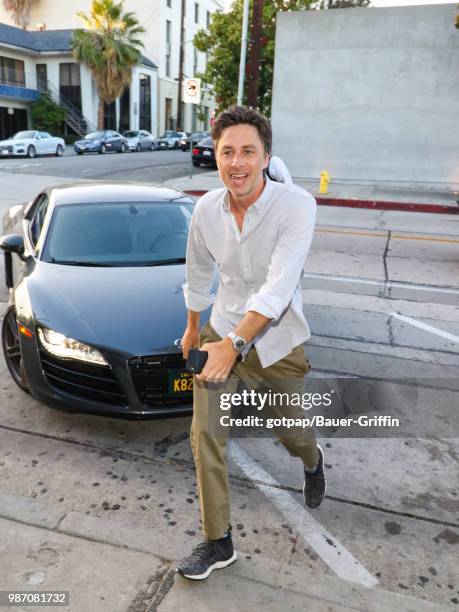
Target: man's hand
(220, 361)
(190, 340)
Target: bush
(47, 116)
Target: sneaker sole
(325, 480)
(217, 565)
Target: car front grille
(83, 380)
(150, 375)
(8, 148)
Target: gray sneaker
(207, 556)
(315, 485)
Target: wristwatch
(239, 343)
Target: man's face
(241, 159)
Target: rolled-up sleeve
(287, 261)
(200, 268)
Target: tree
(20, 10)
(47, 116)
(110, 47)
(222, 43)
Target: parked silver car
(32, 143)
(140, 140)
(170, 139)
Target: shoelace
(201, 549)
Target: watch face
(239, 344)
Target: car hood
(133, 311)
(87, 140)
(12, 142)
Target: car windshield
(168, 135)
(131, 134)
(26, 134)
(118, 234)
(207, 142)
(199, 135)
(93, 135)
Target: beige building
(161, 20)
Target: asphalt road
(147, 166)
(381, 297)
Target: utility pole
(245, 22)
(255, 48)
(180, 77)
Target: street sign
(192, 91)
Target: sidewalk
(346, 194)
(116, 567)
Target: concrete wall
(369, 94)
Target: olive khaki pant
(209, 444)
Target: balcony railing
(18, 78)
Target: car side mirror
(12, 243)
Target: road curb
(264, 575)
(370, 204)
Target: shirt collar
(259, 204)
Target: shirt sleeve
(200, 268)
(287, 261)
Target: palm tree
(20, 10)
(110, 47)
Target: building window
(196, 12)
(145, 103)
(110, 115)
(12, 71)
(207, 19)
(195, 61)
(69, 83)
(125, 111)
(168, 115)
(42, 77)
(168, 48)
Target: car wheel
(31, 152)
(12, 349)
(79, 152)
(103, 149)
(59, 151)
(196, 164)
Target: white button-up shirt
(259, 269)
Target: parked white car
(140, 140)
(32, 143)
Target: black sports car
(95, 273)
(204, 153)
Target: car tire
(196, 164)
(79, 152)
(12, 349)
(31, 152)
(59, 151)
(103, 149)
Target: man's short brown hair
(241, 114)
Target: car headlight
(96, 142)
(67, 348)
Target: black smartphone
(196, 361)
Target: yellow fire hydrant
(324, 180)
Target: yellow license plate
(180, 382)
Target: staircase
(74, 118)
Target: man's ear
(266, 162)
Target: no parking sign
(192, 91)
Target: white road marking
(425, 327)
(326, 546)
(352, 279)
